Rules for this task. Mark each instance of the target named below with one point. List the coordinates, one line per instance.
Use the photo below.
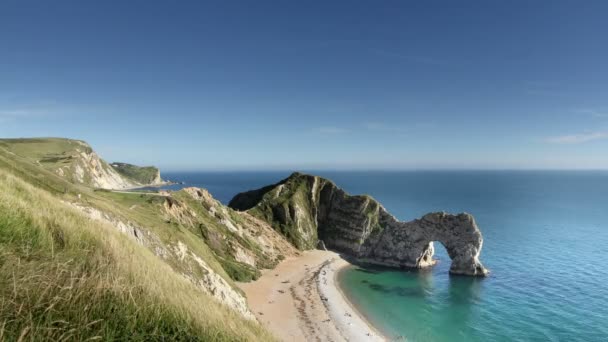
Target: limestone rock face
(244, 244)
(410, 244)
(91, 170)
(184, 260)
(308, 209)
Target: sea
(545, 243)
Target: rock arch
(307, 209)
(410, 244)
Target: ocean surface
(545, 242)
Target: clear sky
(312, 84)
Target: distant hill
(139, 174)
(76, 161)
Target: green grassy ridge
(39, 148)
(140, 209)
(40, 177)
(53, 154)
(139, 174)
(146, 211)
(63, 276)
(177, 317)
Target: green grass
(222, 241)
(57, 155)
(65, 277)
(146, 210)
(280, 211)
(39, 148)
(239, 271)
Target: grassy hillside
(139, 174)
(48, 152)
(73, 160)
(66, 276)
(241, 243)
(63, 276)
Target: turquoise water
(545, 241)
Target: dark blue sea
(545, 242)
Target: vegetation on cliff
(287, 206)
(73, 160)
(302, 208)
(78, 263)
(63, 276)
(308, 209)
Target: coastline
(300, 300)
(355, 326)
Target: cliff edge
(78, 163)
(145, 175)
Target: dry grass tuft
(64, 277)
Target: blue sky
(312, 84)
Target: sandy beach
(299, 301)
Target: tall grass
(65, 277)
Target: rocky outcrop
(307, 209)
(242, 243)
(410, 244)
(88, 169)
(179, 256)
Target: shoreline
(329, 283)
(300, 300)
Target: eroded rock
(308, 209)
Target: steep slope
(73, 160)
(308, 209)
(241, 243)
(179, 251)
(290, 206)
(138, 174)
(64, 276)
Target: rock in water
(308, 209)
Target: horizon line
(304, 170)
